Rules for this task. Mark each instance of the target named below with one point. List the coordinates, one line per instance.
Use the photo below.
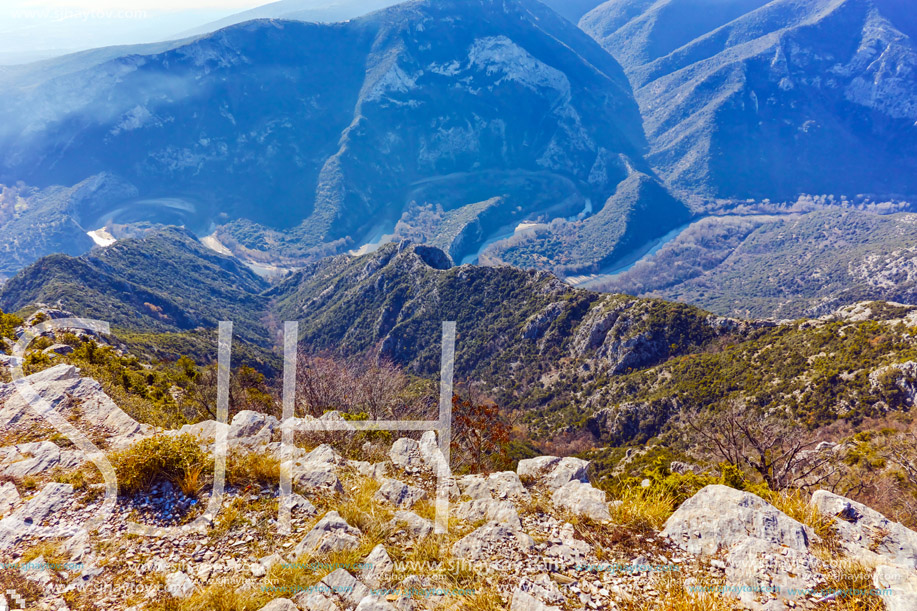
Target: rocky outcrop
(553, 472)
(867, 534)
(331, 534)
(758, 543)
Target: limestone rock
(50, 499)
(903, 585)
(331, 534)
(755, 538)
(416, 526)
(374, 603)
(249, 423)
(405, 454)
(523, 601)
(476, 544)
(582, 499)
(378, 568)
(179, 585)
(399, 494)
(553, 472)
(9, 497)
(490, 510)
(867, 534)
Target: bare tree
(323, 384)
(776, 449)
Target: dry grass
(260, 469)
(644, 509)
(673, 595)
(846, 574)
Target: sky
(12, 6)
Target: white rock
(553, 472)
(405, 453)
(475, 545)
(867, 534)
(36, 457)
(399, 494)
(378, 567)
(506, 484)
(179, 585)
(903, 585)
(416, 526)
(582, 499)
(523, 601)
(248, 423)
(490, 510)
(280, 604)
(23, 521)
(9, 497)
(755, 538)
(331, 534)
(374, 603)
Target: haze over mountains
(494, 111)
(757, 99)
(496, 131)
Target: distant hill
(576, 364)
(295, 140)
(770, 99)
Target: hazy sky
(10, 6)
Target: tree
(771, 446)
(478, 433)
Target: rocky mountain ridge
(536, 538)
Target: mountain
(298, 139)
(770, 99)
(165, 281)
(586, 365)
(785, 266)
(327, 11)
(320, 11)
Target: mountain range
(572, 362)
(299, 139)
(771, 99)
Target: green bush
(156, 459)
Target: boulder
(903, 585)
(9, 497)
(490, 537)
(582, 499)
(374, 603)
(553, 472)
(754, 538)
(430, 453)
(405, 454)
(378, 567)
(507, 485)
(318, 470)
(179, 585)
(331, 534)
(399, 494)
(248, 423)
(867, 534)
(52, 498)
(416, 526)
(367, 469)
(475, 486)
(489, 510)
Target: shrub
(160, 458)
